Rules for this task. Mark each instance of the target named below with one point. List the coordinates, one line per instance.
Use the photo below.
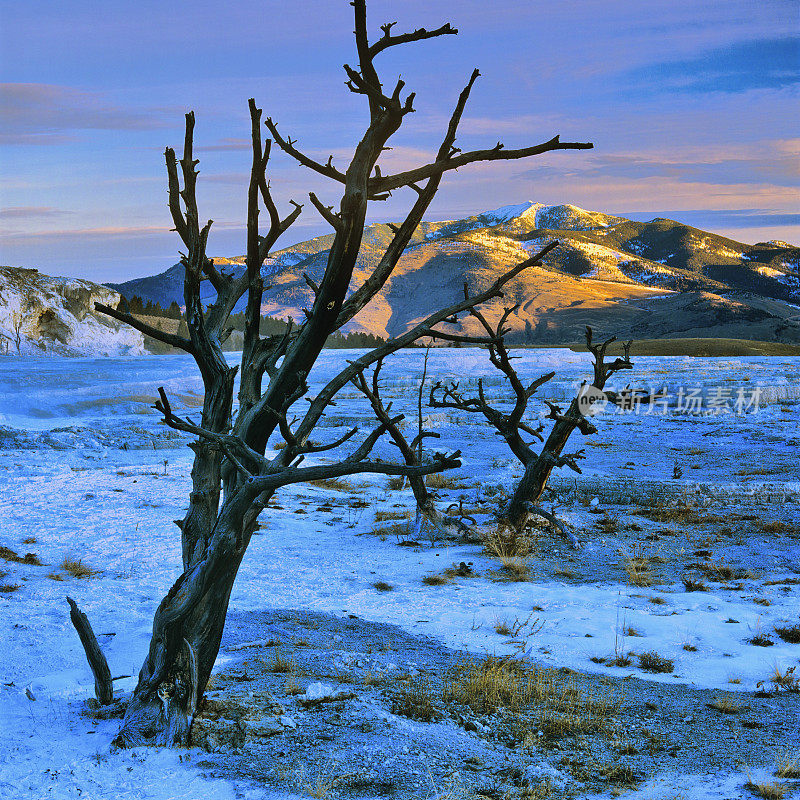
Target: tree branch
(497, 153)
(387, 40)
(148, 330)
(287, 145)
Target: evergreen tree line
(149, 309)
(270, 326)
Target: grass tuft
(438, 480)
(77, 568)
(515, 569)
(789, 633)
(726, 704)
(694, 586)
(561, 707)
(653, 662)
(637, 567)
(768, 791)
(507, 542)
(788, 766)
(334, 484)
(436, 580)
(382, 586)
(280, 664)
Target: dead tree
(232, 477)
(411, 452)
(511, 425)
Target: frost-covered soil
(86, 472)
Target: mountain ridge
(652, 279)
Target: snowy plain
(87, 470)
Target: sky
(692, 106)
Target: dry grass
(726, 704)
(717, 571)
(383, 516)
(7, 554)
(560, 706)
(788, 765)
(435, 579)
(768, 791)
(515, 569)
(609, 524)
(507, 542)
(774, 527)
(370, 678)
(663, 512)
(291, 687)
(789, 633)
(382, 586)
(501, 626)
(8, 588)
(415, 699)
(280, 664)
(438, 480)
(333, 484)
(397, 529)
(694, 586)
(784, 681)
(29, 540)
(653, 662)
(637, 566)
(396, 482)
(657, 601)
(76, 568)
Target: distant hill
(657, 279)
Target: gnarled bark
(232, 477)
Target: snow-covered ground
(70, 490)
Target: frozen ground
(87, 472)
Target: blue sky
(692, 106)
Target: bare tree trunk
(232, 479)
(103, 686)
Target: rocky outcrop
(43, 315)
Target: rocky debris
(318, 693)
(350, 741)
(43, 315)
(75, 438)
(223, 726)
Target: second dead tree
(524, 501)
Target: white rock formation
(42, 315)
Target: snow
(113, 509)
(42, 315)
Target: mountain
(42, 315)
(654, 279)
